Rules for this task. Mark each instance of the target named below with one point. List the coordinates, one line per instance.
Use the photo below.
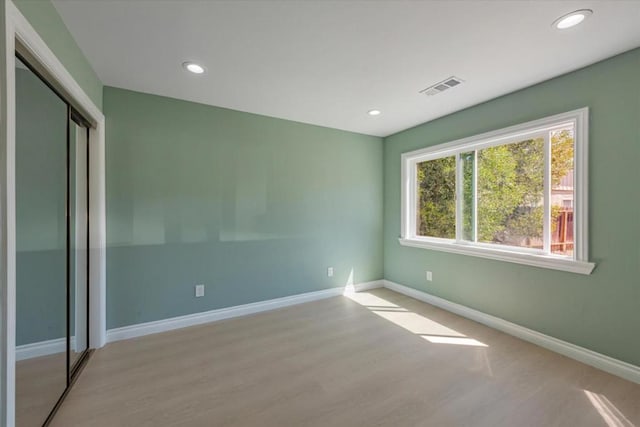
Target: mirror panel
(52, 229)
(41, 246)
(78, 199)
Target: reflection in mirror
(41, 289)
(78, 242)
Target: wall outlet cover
(199, 291)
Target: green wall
(257, 208)
(44, 17)
(601, 311)
(253, 207)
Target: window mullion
(475, 196)
(546, 226)
(459, 198)
(413, 200)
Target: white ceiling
(329, 62)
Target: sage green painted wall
(44, 17)
(601, 311)
(253, 207)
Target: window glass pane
(562, 148)
(437, 198)
(468, 194)
(510, 194)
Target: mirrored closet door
(52, 226)
(78, 230)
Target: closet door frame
(74, 118)
(18, 33)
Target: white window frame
(579, 263)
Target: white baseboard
(164, 325)
(366, 286)
(589, 357)
(42, 348)
(608, 364)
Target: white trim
(581, 187)
(501, 136)
(534, 260)
(7, 224)
(367, 286)
(597, 360)
(18, 28)
(475, 196)
(578, 263)
(141, 329)
(42, 348)
(459, 199)
(546, 222)
(97, 238)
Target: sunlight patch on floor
(416, 323)
(369, 300)
(607, 410)
(454, 340)
(420, 325)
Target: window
(517, 194)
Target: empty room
(340, 213)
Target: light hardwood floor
(39, 384)
(376, 359)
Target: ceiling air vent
(442, 86)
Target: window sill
(542, 261)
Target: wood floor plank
(361, 361)
(40, 382)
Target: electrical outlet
(429, 276)
(199, 291)
(330, 272)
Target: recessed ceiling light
(193, 67)
(572, 19)
(374, 112)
